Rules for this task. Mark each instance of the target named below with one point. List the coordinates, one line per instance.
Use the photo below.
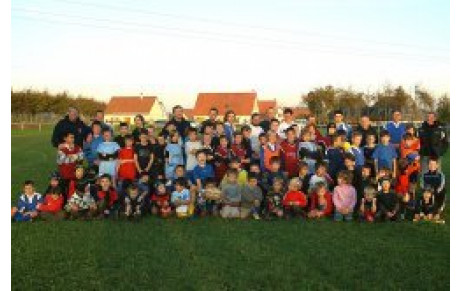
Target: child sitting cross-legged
(231, 196)
(294, 201)
(81, 204)
(28, 204)
(344, 197)
(368, 206)
(321, 202)
(181, 199)
(51, 209)
(275, 199)
(133, 202)
(160, 201)
(251, 197)
(425, 208)
(213, 197)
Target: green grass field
(212, 254)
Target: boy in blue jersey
(28, 204)
(334, 156)
(385, 154)
(356, 150)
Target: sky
(175, 49)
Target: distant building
(188, 113)
(243, 104)
(125, 108)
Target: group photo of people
(266, 169)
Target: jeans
(340, 217)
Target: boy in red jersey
(107, 197)
(270, 150)
(67, 157)
(294, 201)
(160, 201)
(239, 150)
(289, 155)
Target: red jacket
(290, 158)
(403, 180)
(295, 196)
(329, 204)
(52, 205)
(112, 196)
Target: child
(384, 154)
(435, 179)
(107, 197)
(369, 148)
(239, 150)
(242, 175)
(321, 204)
(173, 155)
(28, 204)
(275, 199)
(309, 152)
(121, 138)
(133, 202)
(305, 176)
(143, 153)
(344, 197)
(382, 174)
(96, 140)
(368, 207)
(294, 201)
(108, 155)
(410, 147)
(81, 203)
(67, 157)
(55, 183)
(425, 208)
(52, 205)
(222, 158)
(350, 165)
(202, 170)
(213, 196)
(407, 177)
(220, 131)
(334, 156)
(271, 150)
(191, 148)
(231, 196)
(387, 203)
(251, 198)
(160, 201)
(181, 199)
(289, 153)
(356, 150)
(207, 148)
(320, 176)
(127, 170)
(274, 172)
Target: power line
(228, 23)
(219, 36)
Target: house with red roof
(242, 103)
(125, 108)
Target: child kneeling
(251, 197)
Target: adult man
(433, 140)
(366, 128)
(396, 128)
(178, 120)
(213, 112)
(270, 114)
(70, 123)
(341, 125)
(288, 121)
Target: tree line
(378, 105)
(30, 102)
